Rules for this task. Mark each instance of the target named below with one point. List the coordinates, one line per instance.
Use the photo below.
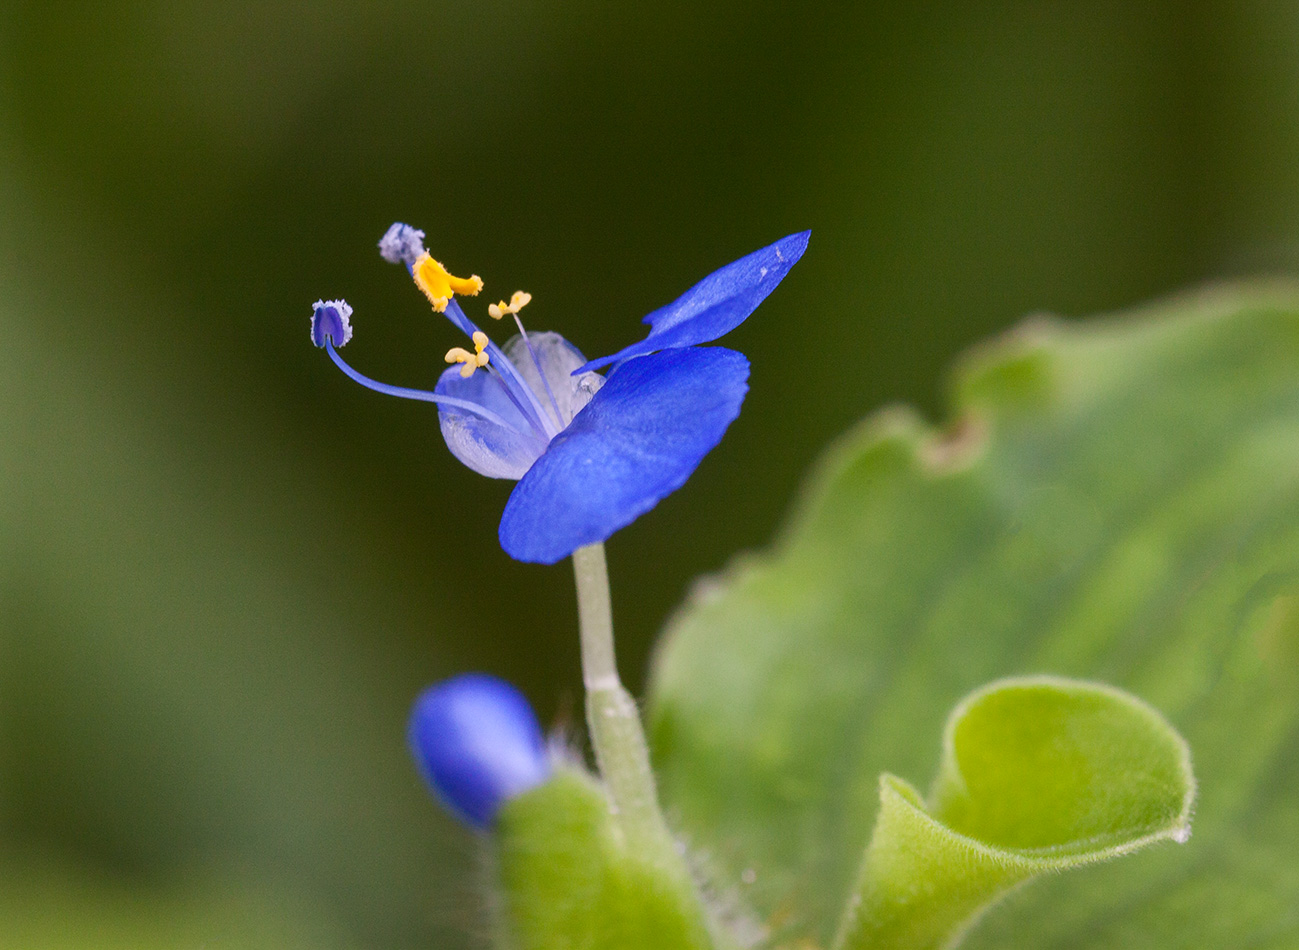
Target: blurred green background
(225, 570)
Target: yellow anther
(439, 286)
(471, 361)
(518, 300)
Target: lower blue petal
(638, 440)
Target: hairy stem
(611, 714)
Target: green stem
(611, 714)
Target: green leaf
(570, 882)
(1038, 774)
(1116, 500)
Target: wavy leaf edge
(925, 884)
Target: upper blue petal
(477, 743)
(717, 304)
(638, 440)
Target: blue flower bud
(477, 743)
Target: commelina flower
(591, 453)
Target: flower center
(402, 244)
(518, 300)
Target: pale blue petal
(638, 440)
(717, 304)
(530, 405)
(497, 451)
(557, 358)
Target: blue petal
(489, 449)
(638, 440)
(477, 743)
(531, 405)
(717, 304)
(546, 361)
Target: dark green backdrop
(225, 570)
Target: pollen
(518, 300)
(471, 361)
(440, 286)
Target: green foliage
(570, 881)
(1038, 774)
(44, 906)
(186, 682)
(1116, 501)
(1064, 767)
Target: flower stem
(611, 714)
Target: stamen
(438, 285)
(463, 405)
(518, 300)
(550, 393)
(519, 392)
(471, 361)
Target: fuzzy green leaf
(570, 882)
(1117, 500)
(1038, 774)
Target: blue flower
(591, 453)
(477, 743)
